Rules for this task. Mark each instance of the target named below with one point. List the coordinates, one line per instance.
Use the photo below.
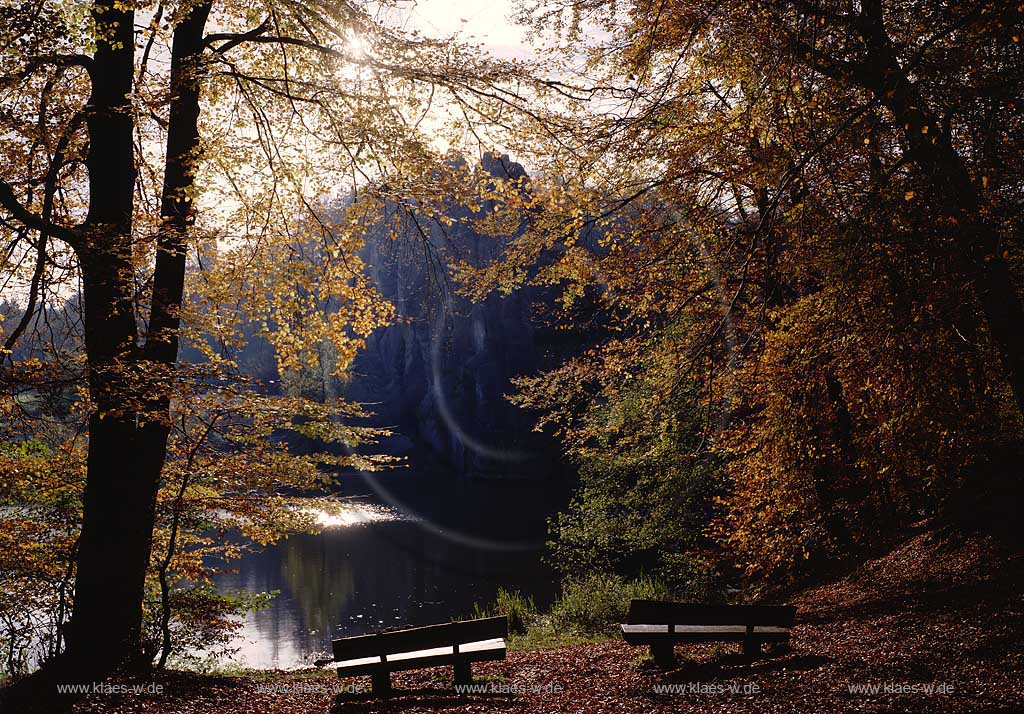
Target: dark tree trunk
(176, 208)
(124, 466)
(114, 547)
(177, 213)
(128, 431)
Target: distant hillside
(440, 373)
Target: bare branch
(235, 39)
(9, 200)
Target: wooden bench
(662, 624)
(456, 643)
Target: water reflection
(424, 550)
(355, 514)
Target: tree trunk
(176, 207)
(124, 467)
(105, 627)
(124, 462)
(128, 432)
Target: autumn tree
(825, 198)
(162, 161)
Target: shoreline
(932, 626)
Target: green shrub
(521, 611)
(600, 601)
(691, 578)
(645, 588)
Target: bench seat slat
(649, 634)
(483, 645)
(724, 629)
(357, 662)
(646, 629)
(435, 657)
(432, 652)
(648, 639)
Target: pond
(422, 548)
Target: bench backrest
(420, 638)
(656, 612)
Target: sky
(487, 22)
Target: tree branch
(257, 37)
(49, 192)
(235, 39)
(34, 63)
(9, 200)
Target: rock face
(439, 374)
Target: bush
(691, 578)
(521, 611)
(204, 624)
(600, 601)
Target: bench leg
(663, 654)
(751, 649)
(381, 683)
(463, 673)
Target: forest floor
(934, 626)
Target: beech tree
(817, 208)
(729, 109)
(167, 161)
